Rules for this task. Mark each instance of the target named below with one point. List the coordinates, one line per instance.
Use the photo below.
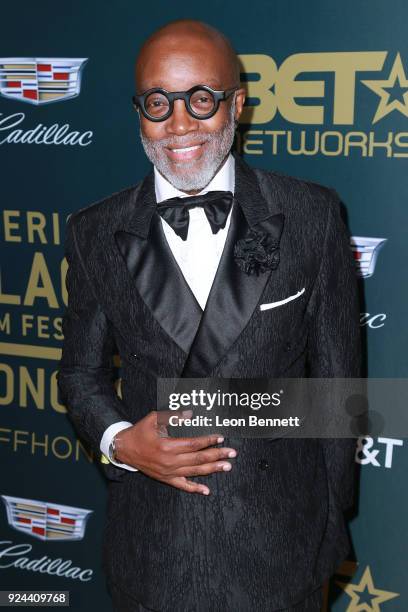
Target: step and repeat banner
(327, 101)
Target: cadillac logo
(40, 80)
(365, 251)
(45, 520)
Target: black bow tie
(216, 204)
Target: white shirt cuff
(107, 438)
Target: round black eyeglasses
(201, 101)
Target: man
(175, 286)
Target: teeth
(187, 149)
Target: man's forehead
(180, 84)
(171, 78)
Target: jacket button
(288, 346)
(263, 464)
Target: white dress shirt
(198, 256)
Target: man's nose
(180, 121)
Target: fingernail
(232, 453)
(205, 491)
(226, 467)
(219, 440)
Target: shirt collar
(224, 180)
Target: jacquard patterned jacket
(272, 529)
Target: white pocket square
(288, 299)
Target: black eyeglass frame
(218, 95)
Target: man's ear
(239, 103)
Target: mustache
(190, 140)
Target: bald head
(185, 41)
(187, 149)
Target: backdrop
(328, 102)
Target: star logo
(393, 92)
(364, 596)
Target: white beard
(218, 145)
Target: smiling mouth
(185, 153)
(185, 148)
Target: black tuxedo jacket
(272, 529)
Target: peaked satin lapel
(155, 272)
(234, 294)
